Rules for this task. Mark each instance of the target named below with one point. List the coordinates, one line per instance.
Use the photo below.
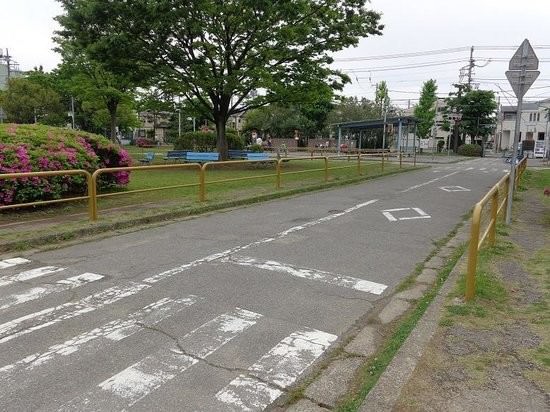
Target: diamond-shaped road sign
(517, 80)
(523, 66)
(524, 57)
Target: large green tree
(29, 101)
(216, 54)
(425, 111)
(477, 111)
(382, 98)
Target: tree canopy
(217, 54)
(477, 110)
(425, 111)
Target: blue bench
(147, 158)
(237, 154)
(257, 156)
(202, 157)
(176, 155)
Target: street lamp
(192, 118)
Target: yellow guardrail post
(93, 195)
(202, 183)
(493, 222)
(326, 168)
(472, 253)
(278, 169)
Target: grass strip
(373, 369)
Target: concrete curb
(332, 383)
(387, 390)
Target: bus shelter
(398, 132)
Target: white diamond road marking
(280, 367)
(29, 274)
(41, 291)
(420, 214)
(92, 341)
(138, 380)
(311, 274)
(454, 189)
(8, 263)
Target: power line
(404, 67)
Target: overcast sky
(27, 26)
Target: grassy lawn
(223, 183)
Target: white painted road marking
(93, 340)
(248, 394)
(454, 189)
(277, 369)
(237, 249)
(137, 381)
(29, 274)
(311, 274)
(7, 263)
(428, 182)
(55, 314)
(389, 214)
(41, 291)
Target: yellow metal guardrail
(92, 179)
(99, 172)
(497, 196)
(74, 172)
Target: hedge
(34, 148)
(472, 150)
(206, 141)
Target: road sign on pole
(522, 74)
(524, 57)
(521, 82)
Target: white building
(534, 126)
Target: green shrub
(472, 150)
(440, 145)
(256, 148)
(34, 148)
(206, 141)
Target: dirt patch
(497, 358)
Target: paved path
(223, 312)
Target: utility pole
(8, 62)
(471, 67)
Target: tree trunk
(221, 141)
(112, 107)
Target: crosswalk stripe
(311, 274)
(91, 341)
(248, 394)
(276, 370)
(7, 263)
(29, 274)
(55, 314)
(138, 380)
(41, 291)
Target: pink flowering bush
(34, 148)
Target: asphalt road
(222, 312)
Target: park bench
(257, 156)
(237, 154)
(147, 158)
(202, 157)
(176, 155)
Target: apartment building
(534, 126)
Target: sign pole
(521, 75)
